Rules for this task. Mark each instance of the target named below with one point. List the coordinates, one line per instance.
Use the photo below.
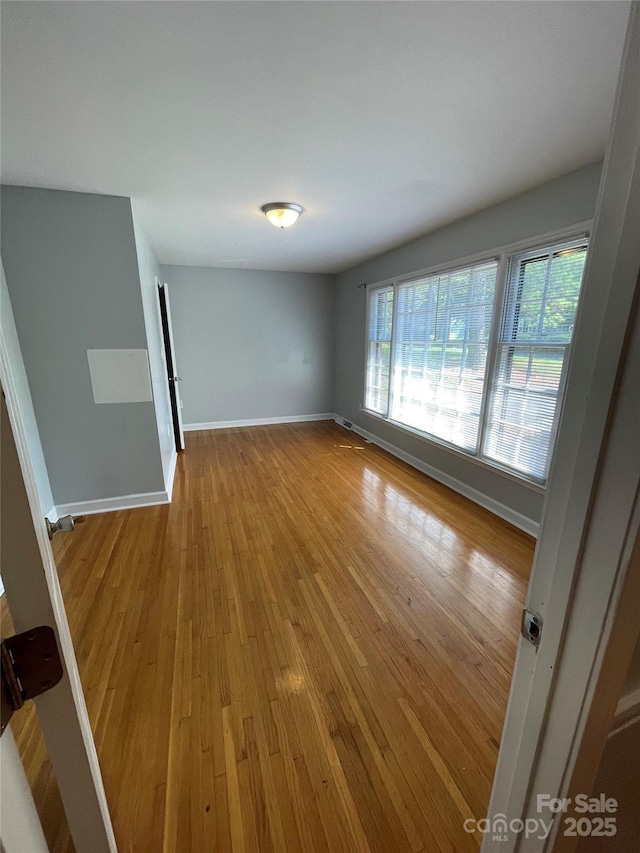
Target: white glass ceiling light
(282, 214)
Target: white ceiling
(383, 119)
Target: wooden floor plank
(309, 650)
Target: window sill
(488, 466)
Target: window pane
(522, 407)
(441, 342)
(529, 292)
(378, 376)
(562, 298)
(381, 315)
(543, 296)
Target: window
(379, 349)
(436, 365)
(535, 333)
(440, 352)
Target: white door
(582, 562)
(33, 595)
(172, 366)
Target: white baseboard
(171, 475)
(120, 502)
(288, 419)
(113, 504)
(516, 518)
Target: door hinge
(31, 665)
(532, 627)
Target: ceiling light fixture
(282, 214)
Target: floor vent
(348, 424)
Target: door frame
(171, 364)
(582, 565)
(33, 592)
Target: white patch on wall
(120, 375)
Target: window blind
(435, 364)
(538, 316)
(379, 349)
(443, 324)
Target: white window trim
(502, 255)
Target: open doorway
(172, 368)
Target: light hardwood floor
(309, 649)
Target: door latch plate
(532, 627)
(31, 665)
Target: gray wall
(72, 273)
(251, 343)
(150, 271)
(557, 204)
